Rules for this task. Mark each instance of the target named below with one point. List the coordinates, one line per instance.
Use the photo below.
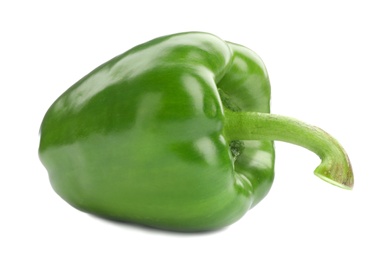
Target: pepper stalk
(335, 167)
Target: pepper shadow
(149, 229)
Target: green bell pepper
(175, 133)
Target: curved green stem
(335, 167)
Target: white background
(326, 61)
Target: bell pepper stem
(335, 166)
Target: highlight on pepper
(175, 133)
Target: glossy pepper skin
(144, 138)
